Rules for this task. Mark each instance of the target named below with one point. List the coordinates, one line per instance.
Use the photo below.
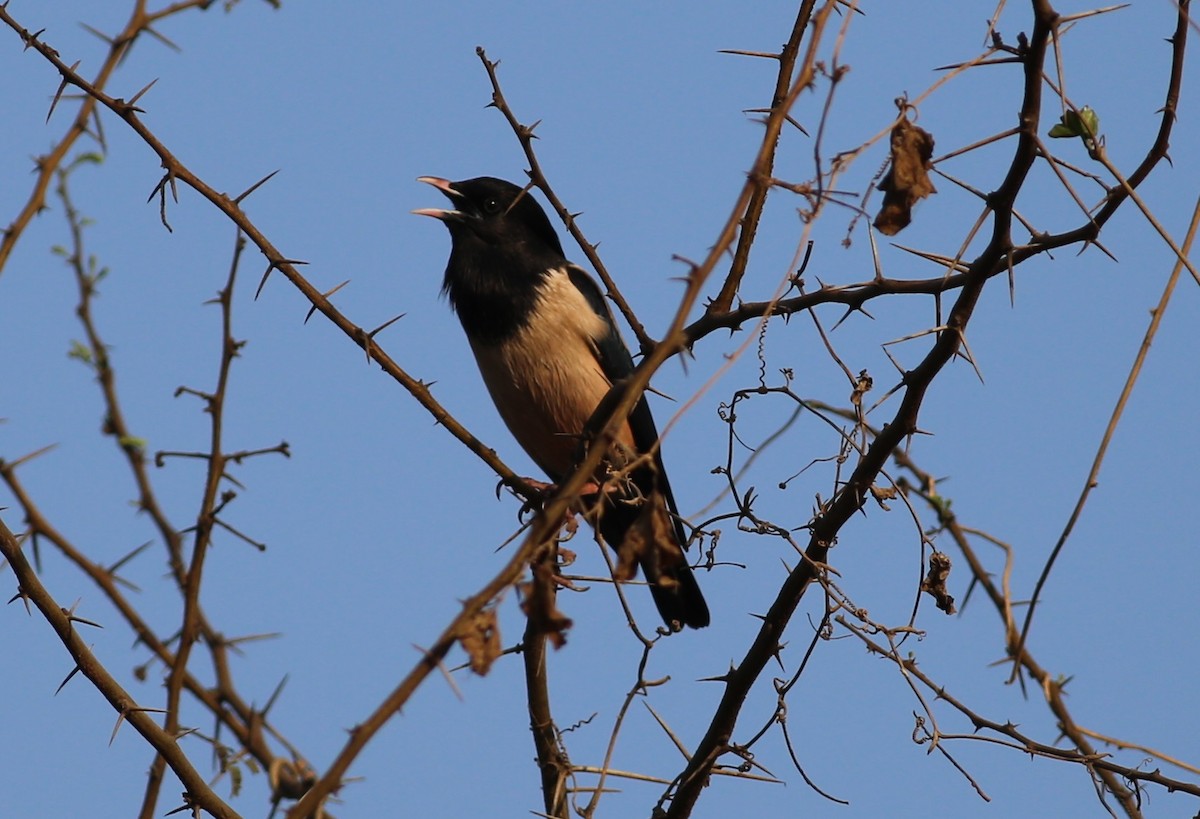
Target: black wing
(617, 364)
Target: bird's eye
(491, 206)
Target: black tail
(643, 525)
(646, 534)
(680, 602)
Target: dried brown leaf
(540, 604)
(907, 180)
(481, 640)
(935, 581)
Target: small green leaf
(1084, 123)
(1061, 131)
(81, 352)
(90, 157)
(1090, 121)
(132, 442)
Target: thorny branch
(997, 257)
(163, 741)
(176, 172)
(229, 709)
(87, 121)
(779, 112)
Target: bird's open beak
(446, 187)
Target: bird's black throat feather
(494, 297)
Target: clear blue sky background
(380, 522)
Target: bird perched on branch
(549, 351)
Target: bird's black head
(491, 215)
(503, 246)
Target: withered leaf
(907, 180)
(934, 583)
(540, 604)
(481, 640)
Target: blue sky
(380, 522)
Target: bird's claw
(544, 491)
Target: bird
(549, 350)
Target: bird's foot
(544, 491)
